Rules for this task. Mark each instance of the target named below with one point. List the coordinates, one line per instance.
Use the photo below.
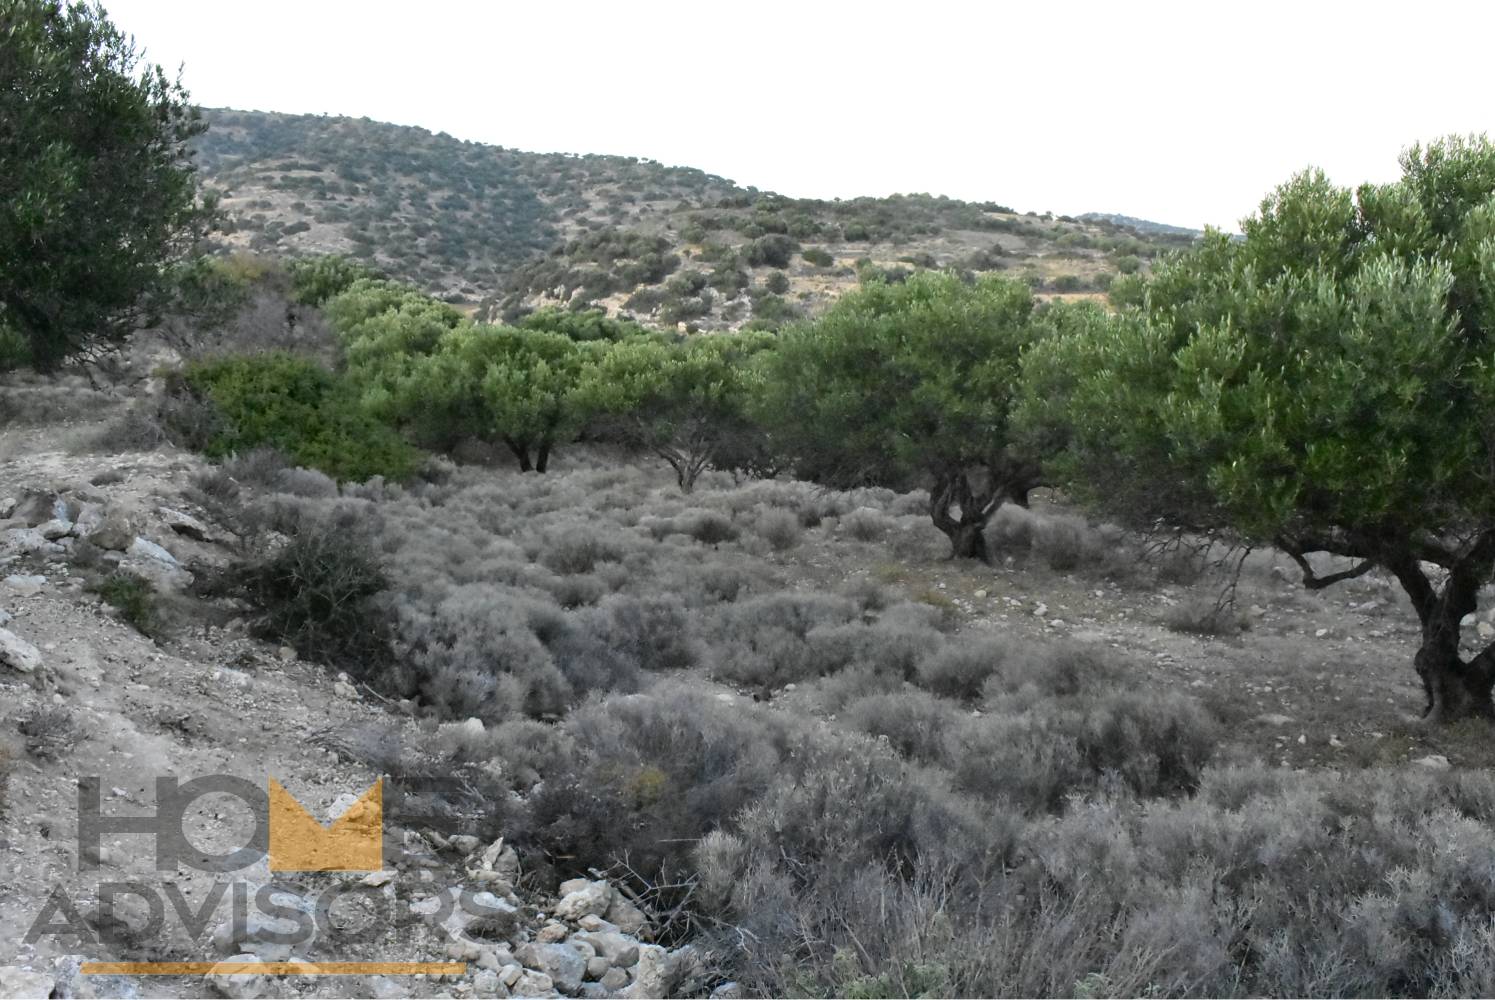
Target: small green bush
(817, 257)
(133, 598)
(292, 405)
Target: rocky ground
(87, 695)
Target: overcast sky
(1183, 113)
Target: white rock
(1485, 630)
(161, 575)
(652, 975)
(376, 879)
(1274, 719)
(344, 690)
(17, 653)
(19, 541)
(55, 529)
(144, 548)
(237, 985)
(25, 585)
(562, 965)
(588, 898)
(90, 519)
(185, 524)
(1320, 633)
(16, 981)
(979, 595)
(625, 916)
(533, 984)
(1433, 762)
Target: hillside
(508, 231)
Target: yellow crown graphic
(353, 843)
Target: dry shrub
(960, 669)
(50, 733)
(1203, 614)
(779, 528)
(765, 640)
(1064, 543)
(915, 723)
(865, 524)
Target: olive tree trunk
(1455, 688)
(962, 502)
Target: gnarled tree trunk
(1455, 688)
(962, 501)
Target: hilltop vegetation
(512, 231)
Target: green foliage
(290, 404)
(314, 280)
(774, 250)
(904, 385)
(1325, 383)
(817, 257)
(500, 384)
(134, 599)
(588, 325)
(686, 402)
(96, 190)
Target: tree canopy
(687, 402)
(907, 385)
(1326, 384)
(97, 191)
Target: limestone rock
(186, 525)
(1433, 762)
(237, 985)
(16, 981)
(620, 950)
(25, 584)
(580, 898)
(117, 528)
(55, 529)
(20, 541)
(654, 975)
(563, 965)
(628, 918)
(532, 984)
(17, 653)
(144, 548)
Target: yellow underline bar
(274, 968)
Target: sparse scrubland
(759, 624)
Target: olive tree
(910, 385)
(518, 388)
(97, 191)
(686, 402)
(1326, 384)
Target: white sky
(1184, 113)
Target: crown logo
(352, 843)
